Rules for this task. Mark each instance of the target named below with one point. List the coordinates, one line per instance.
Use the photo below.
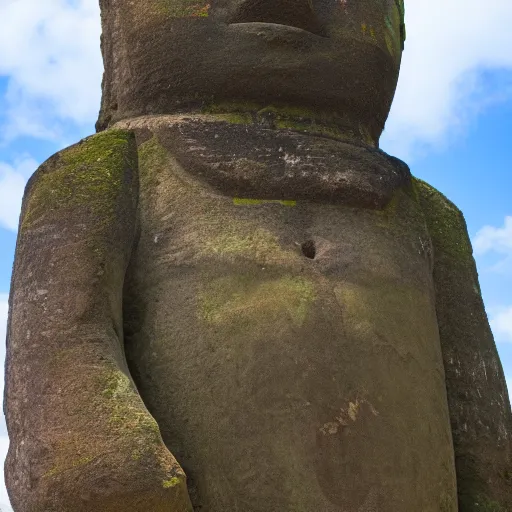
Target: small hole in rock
(309, 249)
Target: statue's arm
(81, 437)
(477, 393)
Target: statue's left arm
(480, 412)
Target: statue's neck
(286, 117)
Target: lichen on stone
(118, 384)
(152, 157)
(87, 175)
(184, 8)
(126, 412)
(172, 482)
(68, 464)
(446, 224)
(258, 245)
(288, 117)
(248, 300)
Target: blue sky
(451, 121)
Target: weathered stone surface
(81, 437)
(282, 382)
(477, 393)
(251, 161)
(306, 329)
(168, 56)
(279, 308)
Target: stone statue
(229, 299)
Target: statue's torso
(283, 382)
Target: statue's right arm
(81, 438)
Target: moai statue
(230, 299)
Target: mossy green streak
(241, 300)
(89, 175)
(184, 8)
(287, 117)
(445, 222)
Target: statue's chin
(189, 66)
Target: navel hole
(309, 249)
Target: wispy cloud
(501, 324)
(53, 65)
(497, 240)
(443, 84)
(12, 183)
(491, 238)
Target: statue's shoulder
(87, 174)
(433, 198)
(445, 222)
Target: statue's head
(334, 61)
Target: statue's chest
(227, 261)
(186, 226)
(220, 199)
(304, 330)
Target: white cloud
(52, 62)
(12, 184)
(501, 324)
(498, 241)
(449, 44)
(495, 240)
(490, 238)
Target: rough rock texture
(168, 56)
(289, 343)
(279, 305)
(81, 437)
(477, 393)
(288, 349)
(251, 161)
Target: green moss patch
(87, 175)
(172, 482)
(289, 118)
(445, 222)
(246, 300)
(184, 8)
